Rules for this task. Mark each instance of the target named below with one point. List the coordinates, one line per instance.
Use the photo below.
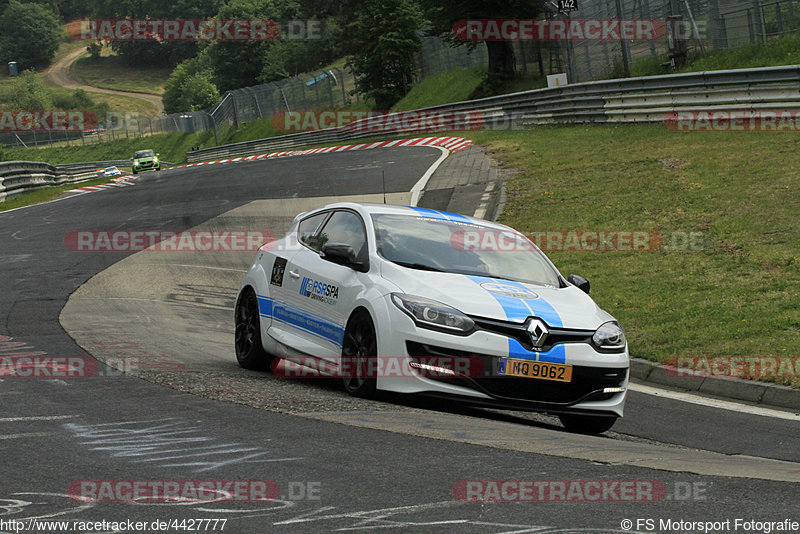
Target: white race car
(109, 172)
(447, 305)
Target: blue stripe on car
(299, 319)
(518, 310)
(433, 214)
(444, 215)
(557, 354)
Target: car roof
(370, 208)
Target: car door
(321, 294)
(280, 280)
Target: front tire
(587, 424)
(359, 351)
(249, 352)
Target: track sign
(567, 5)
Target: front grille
(587, 382)
(520, 333)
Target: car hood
(499, 299)
(144, 160)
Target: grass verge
(782, 51)
(45, 194)
(110, 72)
(172, 147)
(733, 294)
(455, 85)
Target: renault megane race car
(110, 172)
(362, 283)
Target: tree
(28, 92)
(189, 90)
(285, 58)
(443, 14)
(238, 64)
(383, 42)
(29, 34)
(153, 53)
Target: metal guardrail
(21, 176)
(641, 99)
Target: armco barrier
(20, 176)
(641, 99)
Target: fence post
(719, 37)
(626, 68)
(341, 84)
(759, 21)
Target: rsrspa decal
(321, 291)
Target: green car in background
(145, 160)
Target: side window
(307, 228)
(344, 227)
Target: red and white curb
(120, 181)
(452, 144)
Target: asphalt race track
(184, 410)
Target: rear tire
(587, 424)
(249, 352)
(359, 349)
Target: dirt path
(58, 73)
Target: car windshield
(144, 154)
(440, 244)
(111, 169)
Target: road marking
(714, 403)
(480, 213)
(416, 191)
(36, 418)
(161, 439)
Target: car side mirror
(341, 254)
(158, 155)
(580, 282)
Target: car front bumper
(598, 384)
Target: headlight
(610, 336)
(429, 313)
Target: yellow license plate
(531, 369)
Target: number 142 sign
(567, 5)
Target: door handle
(294, 274)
